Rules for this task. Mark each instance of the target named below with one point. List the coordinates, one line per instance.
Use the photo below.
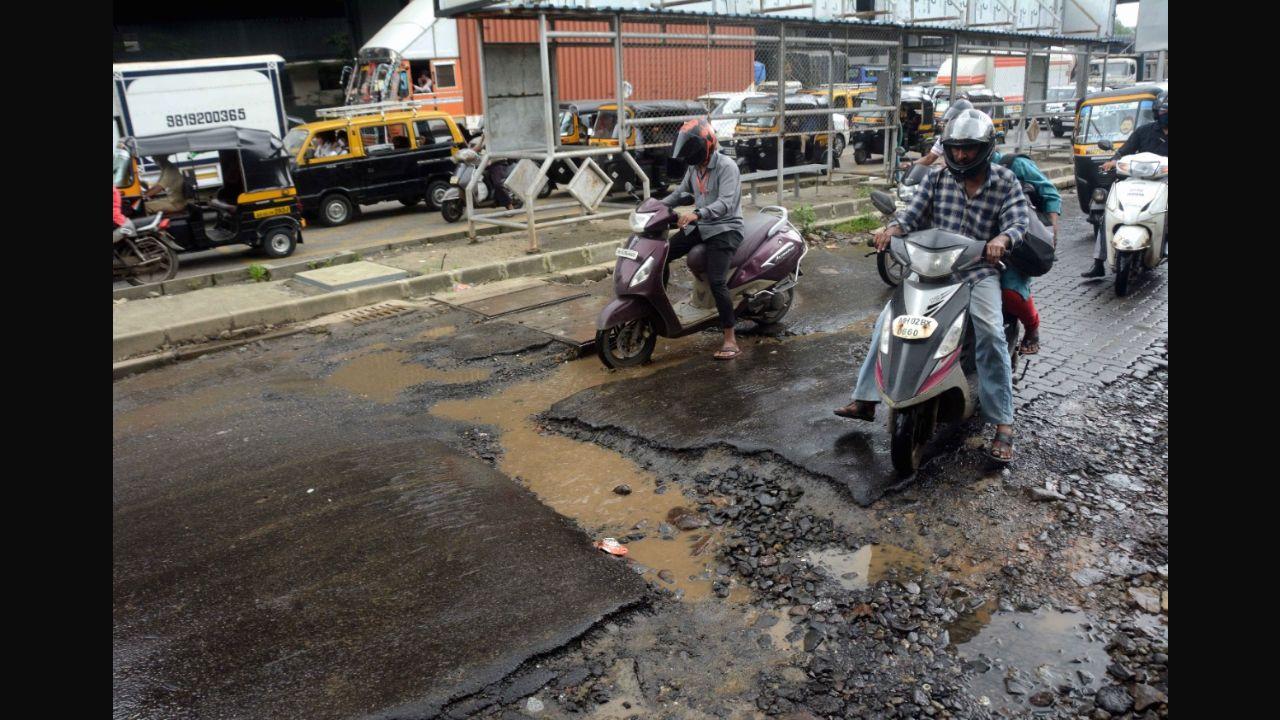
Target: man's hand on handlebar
(882, 238)
(1108, 166)
(686, 218)
(996, 248)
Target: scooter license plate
(625, 253)
(453, 180)
(913, 327)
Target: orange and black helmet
(695, 143)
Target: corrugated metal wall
(680, 70)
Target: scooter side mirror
(917, 175)
(883, 202)
(1105, 144)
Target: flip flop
(1007, 439)
(727, 354)
(1029, 346)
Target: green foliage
(259, 273)
(803, 217)
(860, 224)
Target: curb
(306, 308)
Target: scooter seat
(755, 230)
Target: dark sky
(138, 12)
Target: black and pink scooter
(762, 278)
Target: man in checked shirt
(977, 199)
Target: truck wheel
(335, 209)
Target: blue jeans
(995, 377)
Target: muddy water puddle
(868, 565)
(435, 333)
(382, 376)
(1015, 655)
(577, 479)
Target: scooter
(148, 256)
(1137, 209)
(762, 277)
(925, 365)
(454, 205)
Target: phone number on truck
(204, 118)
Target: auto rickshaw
(654, 155)
(257, 204)
(915, 114)
(1108, 115)
(575, 130)
(806, 143)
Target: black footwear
(1098, 270)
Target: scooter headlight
(1144, 169)
(952, 339)
(932, 263)
(643, 273)
(640, 220)
(1130, 237)
(1100, 194)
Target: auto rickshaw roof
(1151, 89)
(661, 107)
(258, 142)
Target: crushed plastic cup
(611, 546)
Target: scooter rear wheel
(775, 311)
(628, 344)
(909, 431)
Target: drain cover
(375, 312)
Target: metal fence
(789, 99)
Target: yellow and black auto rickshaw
(806, 140)
(654, 141)
(1108, 115)
(257, 204)
(575, 130)
(915, 114)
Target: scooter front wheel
(452, 210)
(909, 431)
(628, 344)
(1126, 270)
(891, 271)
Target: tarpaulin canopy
(258, 142)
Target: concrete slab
(572, 322)
(537, 296)
(350, 275)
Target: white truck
(1003, 74)
(151, 98)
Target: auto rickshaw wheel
(436, 190)
(279, 242)
(335, 209)
(839, 146)
(861, 156)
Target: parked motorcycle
(762, 278)
(925, 365)
(148, 255)
(454, 206)
(1136, 214)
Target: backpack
(1033, 195)
(1033, 256)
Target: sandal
(723, 354)
(1030, 345)
(858, 410)
(1001, 438)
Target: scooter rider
(717, 193)
(1152, 137)
(980, 200)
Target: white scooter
(1136, 217)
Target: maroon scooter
(762, 277)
